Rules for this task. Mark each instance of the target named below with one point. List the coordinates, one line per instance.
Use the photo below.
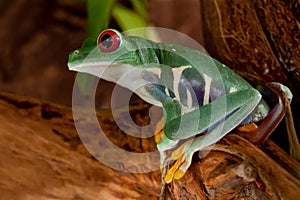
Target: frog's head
(108, 57)
(113, 56)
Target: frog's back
(193, 77)
(210, 68)
(190, 76)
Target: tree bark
(236, 169)
(255, 38)
(42, 157)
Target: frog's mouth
(124, 75)
(105, 70)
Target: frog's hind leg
(240, 105)
(281, 110)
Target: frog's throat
(124, 75)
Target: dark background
(37, 35)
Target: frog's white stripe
(189, 99)
(156, 71)
(207, 80)
(77, 67)
(167, 91)
(177, 72)
(232, 89)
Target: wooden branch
(43, 158)
(236, 169)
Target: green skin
(239, 104)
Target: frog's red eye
(108, 41)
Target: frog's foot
(248, 131)
(183, 159)
(248, 128)
(164, 146)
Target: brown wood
(236, 169)
(255, 37)
(43, 158)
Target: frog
(201, 98)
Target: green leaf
(99, 13)
(126, 18)
(140, 7)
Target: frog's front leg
(172, 110)
(239, 105)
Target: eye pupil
(109, 40)
(106, 41)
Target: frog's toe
(184, 167)
(179, 168)
(173, 170)
(183, 158)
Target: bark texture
(259, 38)
(42, 157)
